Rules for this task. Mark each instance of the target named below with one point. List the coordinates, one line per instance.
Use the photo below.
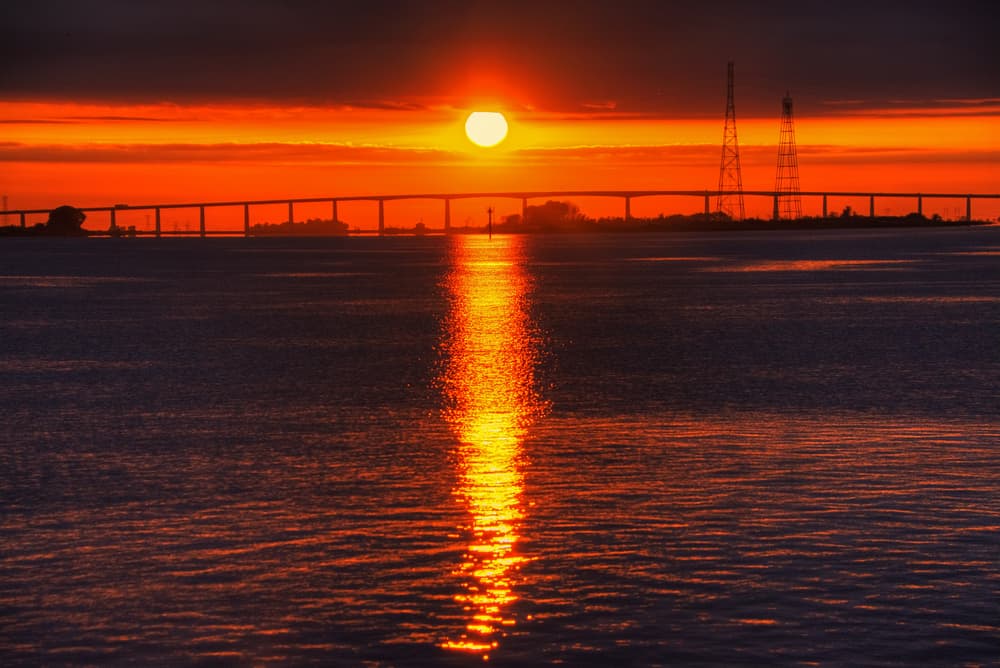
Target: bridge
(446, 198)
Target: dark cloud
(689, 155)
(264, 152)
(77, 120)
(632, 56)
(34, 121)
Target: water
(688, 449)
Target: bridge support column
(334, 211)
(708, 205)
(157, 229)
(246, 220)
(447, 216)
(920, 205)
(968, 209)
(871, 206)
(291, 214)
(776, 214)
(381, 217)
(114, 222)
(824, 206)
(24, 223)
(524, 210)
(628, 209)
(201, 221)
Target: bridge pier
(968, 209)
(201, 221)
(246, 220)
(920, 205)
(447, 216)
(708, 205)
(157, 228)
(291, 214)
(871, 206)
(334, 212)
(524, 210)
(114, 222)
(776, 214)
(628, 209)
(23, 221)
(824, 206)
(381, 217)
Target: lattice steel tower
(787, 201)
(730, 200)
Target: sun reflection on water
(490, 403)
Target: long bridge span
(446, 198)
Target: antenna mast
(730, 200)
(787, 200)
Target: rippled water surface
(691, 449)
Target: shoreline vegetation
(553, 217)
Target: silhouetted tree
(66, 220)
(310, 227)
(554, 214)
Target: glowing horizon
(97, 154)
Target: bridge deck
(538, 194)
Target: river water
(690, 449)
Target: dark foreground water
(725, 449)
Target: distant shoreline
(669, 224)
(702, 223)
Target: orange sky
(100, 154)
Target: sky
(104, 101)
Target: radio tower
(787, 201)
(730, 200)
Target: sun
(486, 128)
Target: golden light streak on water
(488, 385)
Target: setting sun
(486, 128)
